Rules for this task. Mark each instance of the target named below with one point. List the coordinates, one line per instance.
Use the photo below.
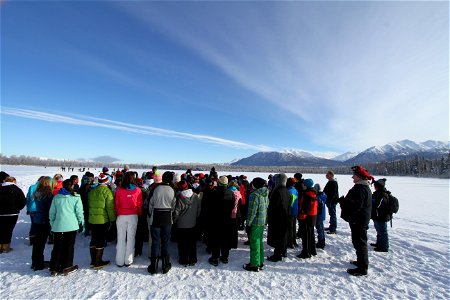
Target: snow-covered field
(417, 265)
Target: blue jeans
(382, 234)
(332, 213)
(320, 230)
(160, 240)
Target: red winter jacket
(128, 202)
(307, 206)
(243, 192)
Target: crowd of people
(132, 209)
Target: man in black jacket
(356, 210)
(332, 191)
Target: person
(278, 218)
(12, 202)
(142, 226)
(31, 209)
(128, 206)
(233, 186)
(219, 222)
(57, 183)
(187, 210)
(207, 196)
(380, 215)
(332, 191)
(75, 181)
(160, 209)
(307, 216)
(356, 208)
(87, 184)
(101, 215)
(66, 218)
(256, 220)
(43, 197)
(321, 214)
(293, 212)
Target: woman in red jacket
(307, 209)
(128, 205)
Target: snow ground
(417, 265)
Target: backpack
(393, 204)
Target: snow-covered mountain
(286, 158)
(398, 150)
(401, 150)
(345, 156)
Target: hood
(186, 195)
(263, 192)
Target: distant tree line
(417, 166)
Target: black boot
(92, 251)
(99, 263)
(320, 244)
(153, 265)
(166, 265)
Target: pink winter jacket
(128, 202)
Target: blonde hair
(57, 177)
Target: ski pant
(256, 246)
(308, 237)
(382, 234)
(41, 235)
(63, 250)
(126, 233)
(187, 245)
(98, 235)
(7, 224)
(359, 240)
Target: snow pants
(126, 233)
(256, 246)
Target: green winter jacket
(66, 213)
(101, 205)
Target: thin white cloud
(82, 120)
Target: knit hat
(362, 173)
(102, 178)
(223, 180)
(381, 183)
(157, 177)
(258, 182)
(167, 177)
(105, 170)
(317, 187)
(182, 185)
(308, 183)
(3, 176)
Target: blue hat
(308, 183)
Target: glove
(81, 228)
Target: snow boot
(99, 263)
(153, 265)
(320, 244)
(249, 267)
(1, 248)
(6, 248)
(92, 251)
(357, 272)
(166, 265)
(69, 270)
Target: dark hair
(167, 177)
(129, 178)
(73, 177)
(67, 185)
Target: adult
(128, 206)
(278, 218)
(101, 215)
(187, 211)
(356, 210)
(66, 217)
(12, 202)
(219, 222)
(256, 220)
(161, 206)
(381, 215)
(43, 197)
(332, 191)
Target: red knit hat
(182, 185)
(102, 178)
(361, 172)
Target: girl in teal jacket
(66, 217)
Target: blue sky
(193, 81)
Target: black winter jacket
(356, 207)
(332, 191)
(380, 206)
(12, 199)
(278, 217)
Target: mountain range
(393, 151)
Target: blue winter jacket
(66, 212)
(31, 206)
(41, 214)
(322, 208)
(294, 201)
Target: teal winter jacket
(66, 212)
